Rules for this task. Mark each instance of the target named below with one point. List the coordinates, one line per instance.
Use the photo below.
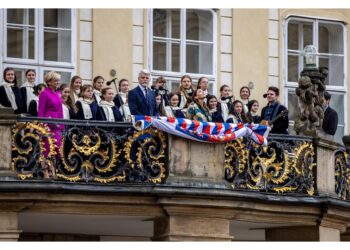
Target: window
(182, 42)
(329, 38)
(39, 39)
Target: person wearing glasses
(275, 113)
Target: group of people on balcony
(98, 102)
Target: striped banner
(203, 131)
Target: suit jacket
(330, 121)
(280, 126)
(140, 105)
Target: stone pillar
(7, 120)
(302, 233)
(9, 226)
(190, 223)
(196, 162)
(191, 228)
(325, 166)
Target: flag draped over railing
(203, 131)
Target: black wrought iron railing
(106, 152)
(91, 151)
(342, 174)
(286, 165)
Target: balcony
(148, 185)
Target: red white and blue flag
(203, 131)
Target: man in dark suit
(330, 121)
(141, 99)
(273, 111)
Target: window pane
(331, 38)
(199, 58)
(20, 16)
(57, 45)
(293, 65)
(293, 104)
(160, 23)
(159, 56)
(57, 18)
(174, 85)
(324, 62)
(175, 57)
(307, 31)
(336, 71)
(65, 76)
(20, 43)
(337, 103)
(293, 36)
(20, 76)
(199, 25)
(175, 24)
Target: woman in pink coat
(50, 106)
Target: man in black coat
(274, 113)
(330, 121)
(141, 99)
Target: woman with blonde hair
(50, 106)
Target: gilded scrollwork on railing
(282, 166)
(28, 148)
(342, 174)
(91, 153)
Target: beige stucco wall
(112, 42)
(250, 51)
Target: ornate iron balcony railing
(342, 174)
(286, 165)
(104, 152)
(91, 151)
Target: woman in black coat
(10, 95)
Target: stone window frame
(38, 63)
(173, 78)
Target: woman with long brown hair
(75, 86)
(198, 109)
(185, 91)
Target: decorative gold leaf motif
(27, 157)
(272, 168)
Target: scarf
(108, 109)
(123, 96)
(65, 111)
(76, 96)
(85, 103)
(10, 94)
(97, 95)
(212, 111)
(30, 92)
(126, 116)
(224, 108)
